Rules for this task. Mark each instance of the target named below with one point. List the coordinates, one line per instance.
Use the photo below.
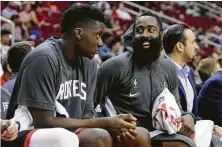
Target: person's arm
(46, 119)
(108, 75)
(26, 32)
(9, 130)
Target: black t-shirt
(45, 76)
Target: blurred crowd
(37, 21)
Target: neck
(178, 59)
(69, 50)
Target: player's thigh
(53, 137)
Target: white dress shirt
(182, 73)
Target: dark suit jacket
(211, 99)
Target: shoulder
(167, 65)
(122, 61)
(215, 80)
(213, 86)
(46, 50)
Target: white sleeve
(24, 117)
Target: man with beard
(134, 79)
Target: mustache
(153, 41)
(143, 39)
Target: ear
(179, 46)
(78, 33)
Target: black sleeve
(107, 75)
(90, 93)
(37, 88)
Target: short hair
(113, 41)
(172, 35)
(206, 67)
(79, 14)
(17, 53)
(5, 32)
(105, 36)
(14, 17)
(148, 13)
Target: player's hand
(11, 132)
(126, 136)
(217, 131)
(120, 124)
(187, 128)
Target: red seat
(47, 28)
(37, 42)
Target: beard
(146, 55)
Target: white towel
(24, 117)
(165, 112)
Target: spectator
(20, 33)
(34, 33)
(16, 54)
(192, 10)
(5, 38)
(115, 47)
(9, 11)
(52, 8)
(103, 5)
(210, 97)
(5, 42)
(27, 14)
(106, 37)
(41, 15)
(180, 45)
(122, 14)
(6, 72)
(206, 68)
(111, 24)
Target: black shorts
(22, 140)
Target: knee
(66, 138)
(143, 134)
(101, 136)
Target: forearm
(73, 123)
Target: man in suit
(180, 46)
